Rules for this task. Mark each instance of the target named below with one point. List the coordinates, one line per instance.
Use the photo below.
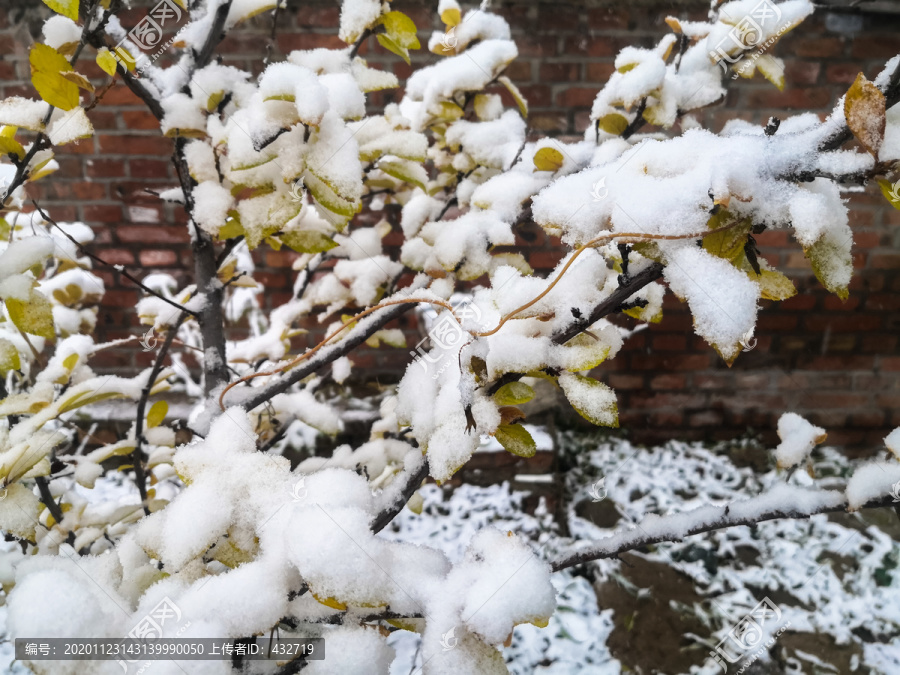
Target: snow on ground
(839, 575)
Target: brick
(101, 167)
(555, 17)
(668, 382)
(158, 258)
(560, 72)
(818, 47)
(576, 97)
(131, 144)
(875, 46)
(608, 18)
(619, 381)
(599, 72)
(102, 213)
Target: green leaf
(34, 316)
(405, 170)
(9, 357)
(613, 123)
(515, 439)
(307, 241)
(68, 8)
(593, 400)
(327, 197)
(157, 414)
(548, 159)
(832, 265)
(48, 66)
(514, 393)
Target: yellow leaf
(8, 143)
(83, 399)
(330, 602)
(327, 197)
(401, 29)
(34, 316)
(891, 192)
(232, 227)
(774, 285)
(451, 16)
(772, 69)
(405, 170)
(515, 439)
(157, 414)
(864, 110)
(107, 61)
(70, 362)
(728, 244)
(613, 123)
(253, 12)
(67, 8)
(308, 241)
(48, 66)
(78, 80)
(392, 46)
(513, 393)
(124, 57)
(832, 265)
(548, 159)
(516, 94)
(9, 357)
(214, 100)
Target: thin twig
(119, 268)
(137, 455)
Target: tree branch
(214, 37)
(411, 483)
(643, 278)
(327, 355)
(119, 268)
(137, 456)
(783, 501)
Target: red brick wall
(836, 362)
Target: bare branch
(137, 455)
(119, 268)
(675, 527)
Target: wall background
(838, 363)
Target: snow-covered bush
(223, 527)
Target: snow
(24, 254)
(356, 16)
(470, 71)
(476, 25)
(16, 111)
(871, 481)
(492, 144)
(892, 441)
(59, 30)
(798, 438)
(212, 202)
(181, 112)
(722, 299)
